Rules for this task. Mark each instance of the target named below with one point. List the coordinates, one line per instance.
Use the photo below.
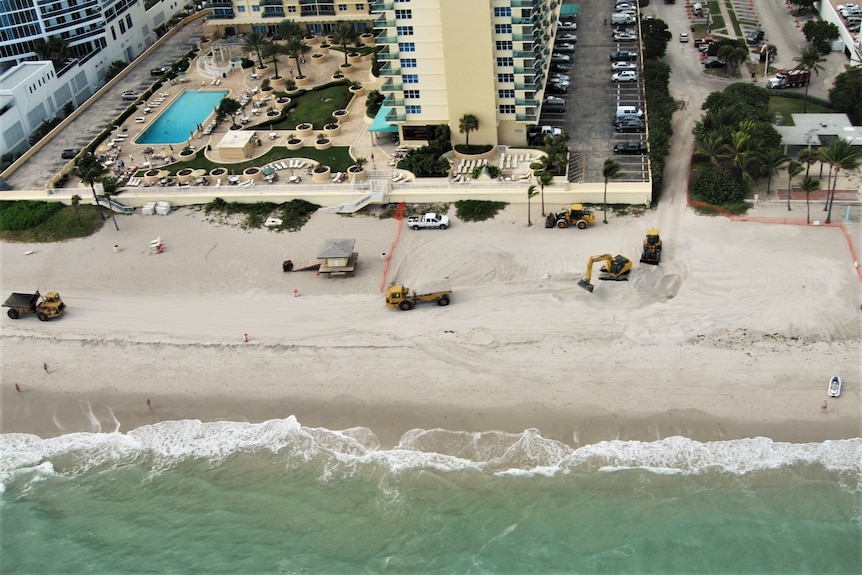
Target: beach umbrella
(269, 170)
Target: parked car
(625, 36)
(619, 66)
(624, 56)
(567, 26)
(713, 62)
(555, 88)
(565, 47)
(626, 119)
(567, 37)
(553, 104)
(560, 81)
(131, 95)
(161, 70)
(557, 58)
(69, 153)
(630, 148)
(755, 36)
(625, 76)
(620, 6)
(560, 77)
(630, 127)
(683, 37)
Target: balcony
(380, 6)
(390, 69)
(219, 4)
(528, 37)
(382, 22)
(391, 85)
(271, 2)
(526, 102)
(522, 21)
(386, 40)
(222, 15)
(522, 3)
(523, 54)
(390, 101)
(273, 12)
(394, 116)
(385, 55)
(527, 117)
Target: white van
(552, 104)
(620, 18)
(629, 111)
(697, 9)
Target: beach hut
(337, 257)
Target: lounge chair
(140, 120)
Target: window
(410, 78)
(255, 8)
(291, 9)
(342, 7)
(406, 47)
(413, 109)
(411, 94)
(502, 28)
(360, 7)
(403, 14)
(408, 62)
(507, 109)
(505, 62)
(404, 30)
(503, 44)
(505, 78)
(502, 12)
(506, 93)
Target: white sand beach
(735, 334)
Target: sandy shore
(734, 335)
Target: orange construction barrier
(398, 217)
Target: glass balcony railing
(390, 69)
(386, 40)
(391, 101)
(379, 6)
(527, 117)
(394, 116)
(391, 85)
(271, 2)
(219, 4)
(526, 102)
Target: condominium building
(441, 59)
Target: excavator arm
(585, 283)
(616, 268)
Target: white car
(683, 37)
(625, 36)
(625, 76)
(567, 25)
(564, 47)
(620, 66)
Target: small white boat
(835, 386)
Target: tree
(800, 4)
(531, 192)
(820, 32)
(846, 94)
(809, 60)
(655, 37)
(544, 178)
(771, 160)
(794, 168)
(255, 42)
(712, 148)
(296, 47)
(90, 171)
(288, 29)
(467, 124)
(271, 51)
(228, 107)
(343, 33)
(111, 187)
(76, 199)
(809, 185)
(611, 169)
(54, 49)
(840, 155)
(808, 157)
(737, 146)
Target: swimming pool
(182, 117)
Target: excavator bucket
(586, 285)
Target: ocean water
(276, 497)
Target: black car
(624, 56)
(69, 154)
(627, 119)
(554, 88)
(159, 71)
(630, 127)
(630, 148)
(713, 62)
(754, 37)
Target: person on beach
(149, 404)
(17, 388)
(823, 406)
(45, 366)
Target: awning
(379, 124)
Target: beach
(734, 335)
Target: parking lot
(592, 99)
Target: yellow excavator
(652, 248)
(616, 268)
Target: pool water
(182, 117)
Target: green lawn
(788, 106)
(315, 106)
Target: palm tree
(712, 148)
(255, 42)
(611, 169)
(808, 156)
(531, 192)
(111, 187)
(839, 155)
(296, 47)
(54, 49)
(76, 199)
(288, 29)
(737, 146)
(794, 168)
(771, 161)
(467, 124)
(809, 185)
(271, 51)
(344, 34)
(90, 170)
(809, 60)
(748, 164)
(544, 178)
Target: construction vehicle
(574, 216)
(616, 268)
(788, 79)
(404, 299)
(45, 308)
(652, 248)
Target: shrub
(23, 215)
(477, 210)
(716, 185)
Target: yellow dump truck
(398, 296)
(45, 308)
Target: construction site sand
(735, 334)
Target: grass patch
(337, 158)
(316, 106)
(294, 214)
(787, 106)
(59, 225)
(478, 210)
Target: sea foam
(167, 444)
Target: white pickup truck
(429, 220)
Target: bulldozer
(616, 268)
(652, 248)
(576, 215)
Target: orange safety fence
(788, 221)
(398, 217)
